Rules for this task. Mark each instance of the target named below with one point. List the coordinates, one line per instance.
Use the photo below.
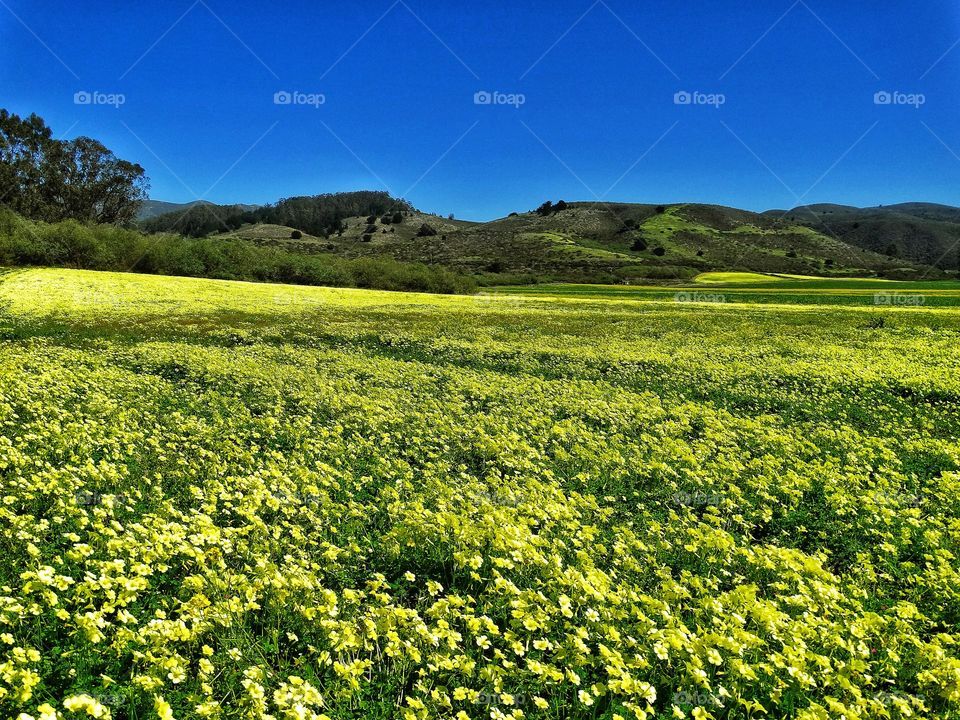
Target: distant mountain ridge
(155, 208)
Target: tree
(892, 251)
(545, 209)
(24, 146)
(97, 186)
(52, 180)
(397, 218)
(560, 206)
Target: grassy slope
(590, 241)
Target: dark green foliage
(397, 218)
(639, 245)
(426, 231)
(791, 253)
(320, 215)
(659, 251)
(47, 179)
(296, 235)
(107, 247)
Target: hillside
(922, 233)
(625, 242)
(589, 242)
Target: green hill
(922, 233)
(598, 242)
(627, 242)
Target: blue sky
(782, 98)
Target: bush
(426, 231)
(106, 247)
(659, 251)
(639, 245)
(397, 218)
(296, 235)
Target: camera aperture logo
(86, 97)
(514, 100)
(900, 99)
(714, 100)
(295, 97)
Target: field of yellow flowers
(229, 500)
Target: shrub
(426, 231)
(659, 251)
(296, 235)
(639, 245)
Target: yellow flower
(162, 708)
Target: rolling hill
(600, 242)
(922, 233)
(156, 208)
(624, 242)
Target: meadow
(218, 499)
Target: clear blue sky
(798, 122)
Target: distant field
(758, 288)
(236, 500)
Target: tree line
(320, 215)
